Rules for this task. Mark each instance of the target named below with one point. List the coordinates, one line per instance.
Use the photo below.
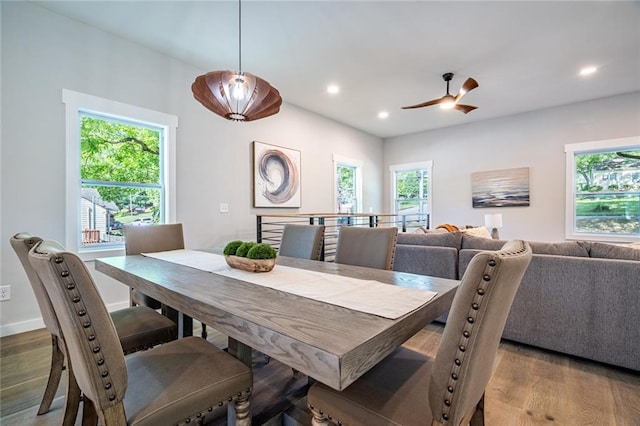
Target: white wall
(42, 53)
(535, 140)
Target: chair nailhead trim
(201, 415)
(84, 319)
(458, 360)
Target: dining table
(332, 322)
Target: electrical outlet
(5, 292)
(224, 208)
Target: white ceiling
(525, 55)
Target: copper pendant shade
(215, 90)
(237, 95)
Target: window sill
(88, 255)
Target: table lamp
(493, 221)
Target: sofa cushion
(612, 251)
(433, 261)
(478, 243)
(569, 248)
(447, 239)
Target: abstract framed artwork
(276, 176)
(500, 188)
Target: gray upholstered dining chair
(175, 383)
(138, 328)
(302, 241)
(150, 239)
(370, 247)
(408, 388)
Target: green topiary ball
(261, 251)
(244, 248)
(231, 248)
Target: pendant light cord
(239, 37)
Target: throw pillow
(449, 227)
(479, 231)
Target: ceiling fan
(449, 101)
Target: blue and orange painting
(500, 188)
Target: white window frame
(403, 168)
(76, 102)
(348, 162)
(570, 180)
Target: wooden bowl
(250, 265)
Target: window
(411, 192)
(120, 170)
(348, 185)
(603, 190)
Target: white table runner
(372, 297)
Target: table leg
(240, 351)
(185, 322)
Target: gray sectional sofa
(579, 298)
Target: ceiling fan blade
(424, 104)
(465, 108)
(468, 86)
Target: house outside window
(603, 190)
(120, 170)
(348, 185)
(411, 192)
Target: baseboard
(21, 327)
(37, 323)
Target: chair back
(22, 243)
(466, 354)
(302, 241)
(370, 247)
(92, 341)
(153, 238)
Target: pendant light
(237, 95)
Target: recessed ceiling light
(383, 114)
(333, 89)
(588, 70)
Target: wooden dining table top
(332, 344)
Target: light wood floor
(529, 386)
